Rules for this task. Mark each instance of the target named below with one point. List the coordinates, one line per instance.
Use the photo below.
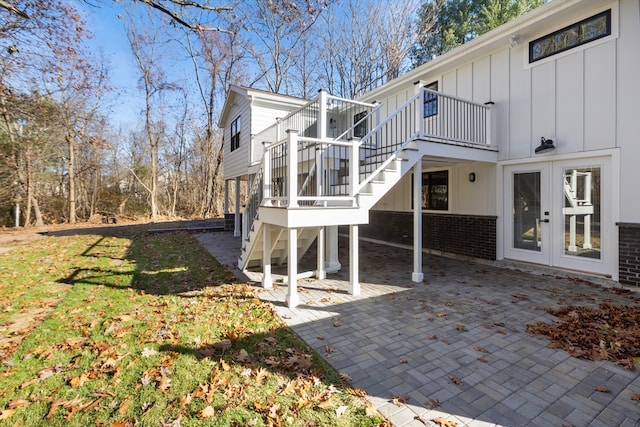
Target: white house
(522, 145)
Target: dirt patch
(13, 239)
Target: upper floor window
(235, 133)
(431, 101)
(360, 129)
(585, 31)
(435, 190)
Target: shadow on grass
(156, 263)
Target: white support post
(321, 133)
(354, 279)
(354, 170)
(267, 280)
(490, 124)
(419, 113)
(17, 212)
(321, 130)
(417, 275)
(375, 125)
(331, 240)
(266, 174)
(226, 196)
(292, 269)
(292, 176)
(237, 226)
(321, 273)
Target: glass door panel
(527, 231)
(581, 212)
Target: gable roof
(236, 91)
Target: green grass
(150, 330)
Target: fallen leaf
(341, 410)
(148, 352)
(603, 389)
(6, 413)
(125, 406)
(345, 377)
(336, 322)
(444, 422)
(358, 392)
(399, 400)
(480, 349)
(455, 380)
(207, 412)
(432, 403)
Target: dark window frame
(580, 37)
(430, 102)
(236, 126)
(432, 197)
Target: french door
(558, 214)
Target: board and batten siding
(586, 99)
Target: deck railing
(326, 151)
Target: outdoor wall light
(515, 40)
(472, 177)
(545, 146)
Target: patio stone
(459, 338)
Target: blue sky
(110, 38)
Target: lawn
(131, 328)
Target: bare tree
(153, 82)
(279, 26)
(367, 43)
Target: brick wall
(470, 235)
(629, 253)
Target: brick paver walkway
(455, 346)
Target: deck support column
(226, 196)
(417, 275)
(237, 229)
(354, 280)
(292, 269)
(321, 272)
(331, 247)
(267, 280)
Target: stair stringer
(252, 248)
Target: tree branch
(174, 16)
(11, 8)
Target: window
(585, 31)
(431, 101)
(235, 133)
(435, 190)
(360, 129)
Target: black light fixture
(472, 177)
(545, 146)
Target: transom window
(582, 32)
(431, 101)
(235, 133)
(435, 190)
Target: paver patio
(455, 346)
